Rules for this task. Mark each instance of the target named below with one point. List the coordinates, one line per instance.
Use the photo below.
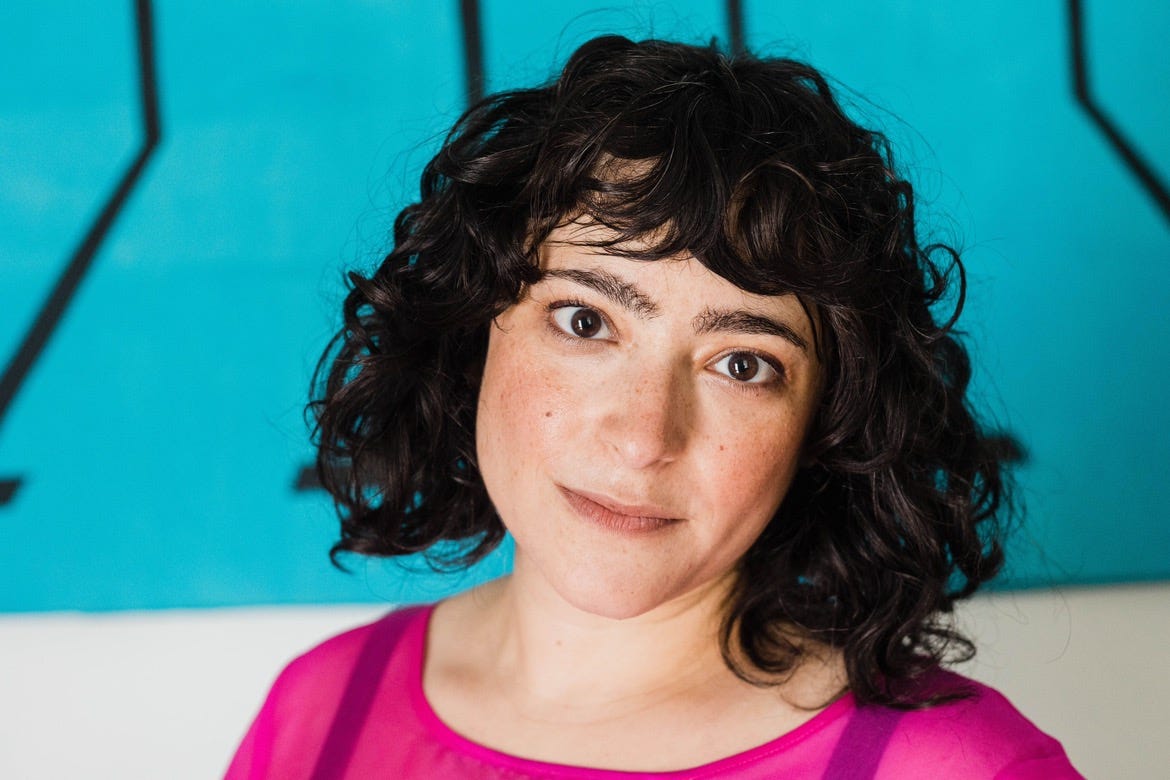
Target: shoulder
(330, 662)
(305, 698)
(981, 735)
(321, 675)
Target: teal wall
(152, 449)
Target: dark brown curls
(750, 165)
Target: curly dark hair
(750, 165)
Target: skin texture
(604, 638)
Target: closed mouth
(604, 511)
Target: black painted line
(62, 294)
(8, 490)
(735, 26)
(472, 50)
(307, 479)
(147, 78)
(1137, 166)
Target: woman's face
(640, 422)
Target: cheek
(521, 414)
(749, 480)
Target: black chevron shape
(63, 292)
(473, 74)
(1144, 173)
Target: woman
(668, 322)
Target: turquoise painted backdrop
(182, 277)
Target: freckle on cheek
(548, 414)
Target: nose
(648, 417)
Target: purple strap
(856, 756)
(864, 741)
(359, 695)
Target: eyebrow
(618, 290)
(628, 296)
(723, 321)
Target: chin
(612, 608)
(614, 600)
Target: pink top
(354, 707)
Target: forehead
(583, 244)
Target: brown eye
(580, 321)
(748, 368)
(743, 366)
(585, 323)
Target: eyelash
(746, 387)
(572, 303)
(753, 387)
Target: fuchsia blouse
(354, 707)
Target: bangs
(696, 168)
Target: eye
(580, 321)
(747, 367)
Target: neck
(515, 666)
(553, 655)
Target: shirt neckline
(415, 647)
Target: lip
(604, 511)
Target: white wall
(168, 694)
